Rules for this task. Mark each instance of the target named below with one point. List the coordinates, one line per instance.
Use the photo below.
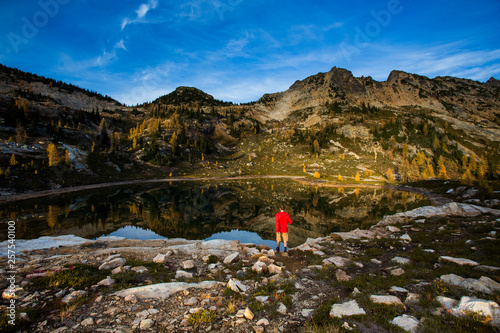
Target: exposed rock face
(450, 97)
(164, 290)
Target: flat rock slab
(450, 209)
(459, 261)
(346, 309)
(164, 290)
(218, 247)
(484, 284)
(44, 242)
(337, 261)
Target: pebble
(88, 322)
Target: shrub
(202, 316)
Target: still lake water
(242, 210)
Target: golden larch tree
(390, 174)
(53, 155)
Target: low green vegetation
(202, 316)
(78, 276)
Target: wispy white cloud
(140, 13)
(145, 7)
(120, 45)
(70, 65)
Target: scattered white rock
(73, 296)
(139, 269)
(273, 269)
(236, 285)
(190, 301)
(281, 308)
(252, 251)
(307, 312)
(146, 324)
(342, 275)
(412, 298)
(346, 326)
(12, 293)
(231, 258)
(116, 262)
(337, 261)
(180, 274)
(408, 323)
(142, 314)
(392, 228)
(401, 260)
(258, 329)
(160, 258)
(262, 299)
(375, 261)
(240, 313)
(248, 314)
(395, 289)
(346, 309)
(188, 264)
(397, 272)
(405, 237)
(118, 270)
(263, 322)
(259, 267)
(131, 298)
(446, 302)
(88, 322)
(386, 299)
(106, 282)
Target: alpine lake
(241, 210)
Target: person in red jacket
(282, 222)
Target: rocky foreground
(433, 269)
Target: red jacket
(282, 222)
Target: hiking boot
(277, 250)
(286, 250)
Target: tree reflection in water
(198, 210)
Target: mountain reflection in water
(206, 210)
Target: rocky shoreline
(429, 267)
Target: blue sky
(237, 50)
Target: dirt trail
(46, 193)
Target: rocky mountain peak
(493, 82)
(397, 76)
(190, 95)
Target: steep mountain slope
(475, 104)
(409, 127)
(15, 83)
